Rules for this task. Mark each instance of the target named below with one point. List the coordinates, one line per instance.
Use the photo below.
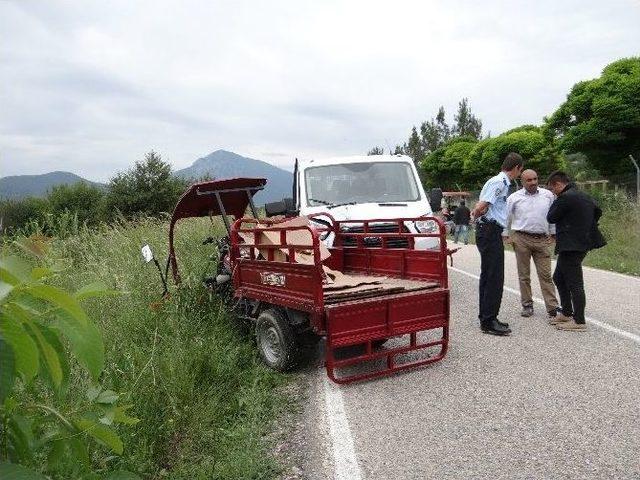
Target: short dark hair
(462, 202)
(512, 160)
(558, 177)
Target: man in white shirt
(532, 237)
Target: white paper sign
(147, 254)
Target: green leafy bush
(444, 167)
(85, 200)
(38, 323)
(148, 189)
(601, 117)
(15, 214)
(533, 143)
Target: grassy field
(620, 224)
(205, 402)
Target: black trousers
(489, 243)
(570, 284)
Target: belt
(484, 219)
(532, 234)
(488, 221)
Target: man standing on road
(461, 218)
(576, 215)
(491, 215)
(531, 236)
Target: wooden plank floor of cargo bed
(383, 286)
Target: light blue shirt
(495, 192)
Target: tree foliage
(376, 151)
(148, 188)
(414, 146)
(14, 214)
(533, 143)
(81, 198)
(467, 124)
(436, 132)
(601, 117)
(443, 167)
(465, 161)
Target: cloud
(91, 87)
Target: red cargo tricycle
(381, 304)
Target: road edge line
(345, 463)
(597, 323)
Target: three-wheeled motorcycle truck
(371, 285)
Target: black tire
(276, 341)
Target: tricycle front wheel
(276, 340)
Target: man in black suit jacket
(576, 215)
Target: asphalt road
(538, 404)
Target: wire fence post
(635, 164)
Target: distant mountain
(223, 164)
(19, 186)
(219, 164)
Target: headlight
(426, 226)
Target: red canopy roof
(201, 200)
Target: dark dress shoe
(504, 324)
(495, 328)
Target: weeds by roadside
(204, 400)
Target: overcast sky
(89, 87)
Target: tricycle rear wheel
(276, 340)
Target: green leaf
(85, 342)
(53, 340)
(59, 298)
(20, 437)
(122, 475)
(25, 349)
(107, 418)
(96, 289)
(56, 454)
(79, 451)
(11, 471)
(108, 396)
(93, 392)
(8, 370)
(103, 434)
(14, 270)
(120, 415)
(5, 290)
(40, 272)
(53, 363)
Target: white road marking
(609, 272)
(597, 323)
(346, 465)
(344, 455)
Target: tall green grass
(204, 400)
(620, 224)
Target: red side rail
(406, 315)
(362, 322)
(288, 283)
(411, 263)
